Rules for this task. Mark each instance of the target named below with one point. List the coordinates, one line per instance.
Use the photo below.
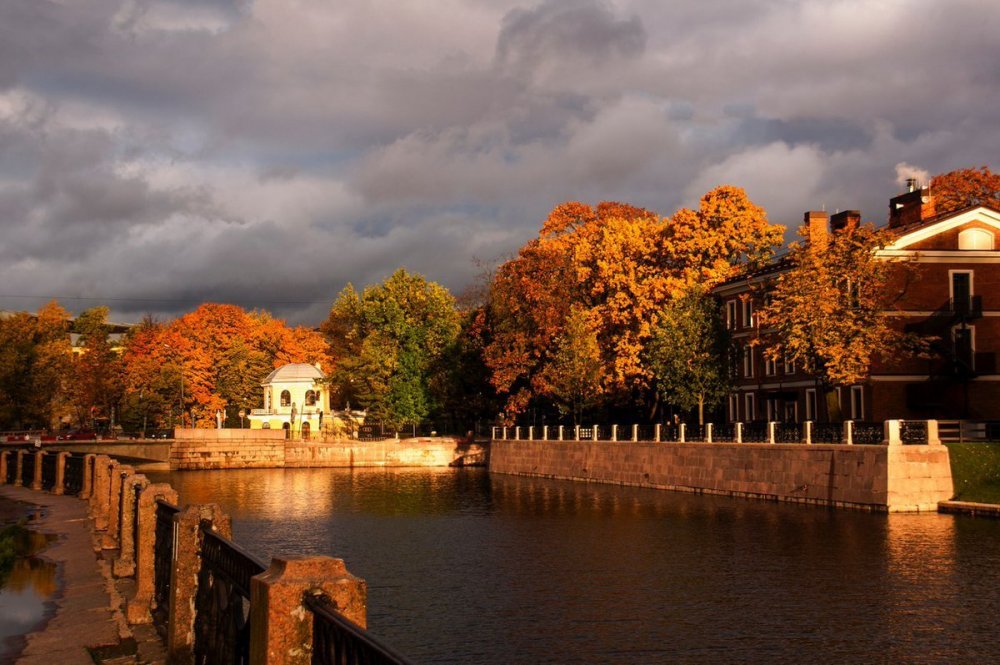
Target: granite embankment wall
(247, 449)
(894, 478)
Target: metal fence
(867, 433)
(338, 641)
(724, 432)
(913, 431)
(222, 603)
(827, 433)
(163, 561)
(788, 433)
(755, 432)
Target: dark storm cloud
(163, 152)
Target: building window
(975, 239)
(770, 367)
(789, 364)
(748, 313)
(734, 408)
(731, 314)
(961, 290)
(750, 408)
(964, 344)
(286, 398)
(310, 398)
(791, 412)
(857, 403)
(747, 361)
(772, 409)
(811, 404)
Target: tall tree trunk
(701, 409)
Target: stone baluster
(709, 431)
(738, 434)
(60, 486)
(531, 432)
(560, 432)
(89, 468)
(138, 608)
(36, 480)
(614, 433)
(545, 432)
(635, 432)
(184, 575)
(279, 623)
(124, 565)
(656, 433)
(771, 427)
(849, 432)
(576, 433)
(682, 433)
(112, 538)
(807, 431)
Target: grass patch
(975, 469)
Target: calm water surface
(464, 567)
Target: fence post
(576, 432)
(184, 575)
(99, 492)
(560, 432)
(60, 486)
(545, 432)
(738, 432)
(933, 437)
(19, 468)
(709, 431)
(124, 565)
(849, 432)
(505, 433)
(614, 433)
(493, 433)
(112, 537)
(807, 429)
(594, 432)
(517, 432)
(656, 433)
(635, 432)
(771, 426)
(890, 432)
(36, 479)
(137, 609)
(3, 466)
(280, 626)
(531, 432)
(682, 433)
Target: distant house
(295, 396)
(955, 297)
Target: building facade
(951, 296)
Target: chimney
(845, 219)
(911, 184)
(911, 207)
(816, 229)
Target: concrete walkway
(88, 624)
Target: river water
(465, 567)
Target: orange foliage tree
(966, 187)
(220, 353)
(620, 265)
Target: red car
(79, 435)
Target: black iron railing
(28, 468)
(646, 433)
(222, 605)
(913, 431)
(694, 432)
(670, 432)
(755, 432)
(827, 433)
(586, 433)
(724, 432)
(73, 475)
(867, 433)
(11, 467)
(338, 641)
(49, 471)
(163, 557)
(788, 433)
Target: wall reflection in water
(27, 583)
(465, 567)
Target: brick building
(953, 296)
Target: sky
(156, 154)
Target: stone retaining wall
(883, 478)
(245, 449)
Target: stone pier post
(738, 435)
(682, 433)
(531, 432)
(279, 623)
(576, 437)
(517, 432)
(545, 432)
(891, 433)
(60, 486)
(20, 468)
(184, 575)
(807, 431)
(36, 480)
(112, 538)
(89, 465)
(614, 433)
(656, 433)
(124, 565)
(709, 431)
(505, 433)
(560, 432)
(771, 427)
(933, 437)
(849, 432)
(138, 608)
(635, 432)
(3, 465)
(100, 492)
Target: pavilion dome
(295, 373)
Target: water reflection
(465, 567)
(27, 584)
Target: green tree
(687, 355)
(574, 374)
(96, 388)
(35, 363)
(389, 342)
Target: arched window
(975, 239)
(266, 426)
(305, 430)
(286, 398)
(286, 426)
(310, 398)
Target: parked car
(78, 435)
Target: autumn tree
(687, 355)
(389, 340)
(826, 310)
(622, 265)
(966, 187)
(35, 365)
(96, 387)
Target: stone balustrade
(850, 432)
(209, 584)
